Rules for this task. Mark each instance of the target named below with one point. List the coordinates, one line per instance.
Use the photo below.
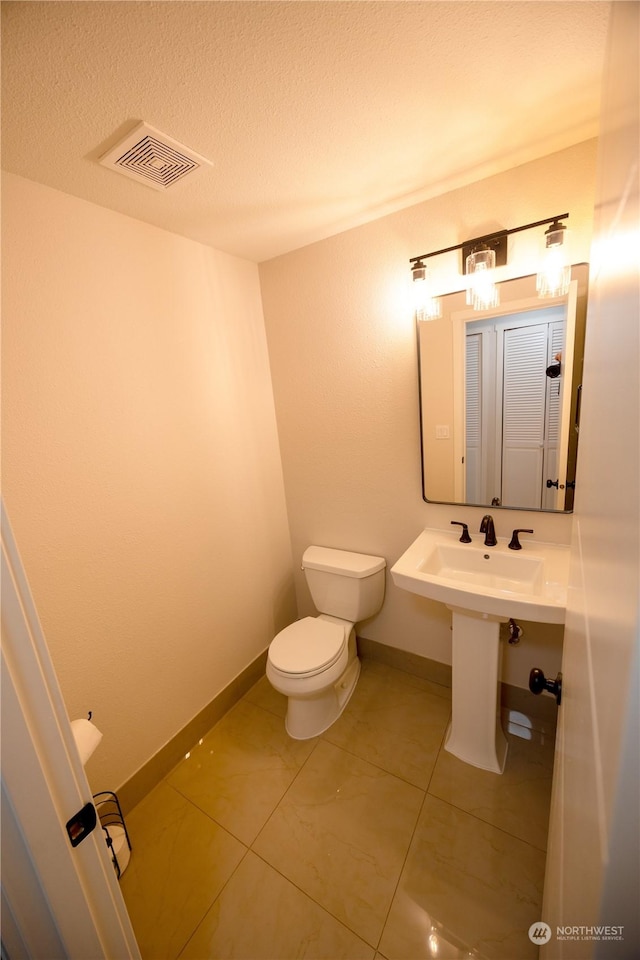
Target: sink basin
(530, 583)
(483, 586)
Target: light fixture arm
(491, 236)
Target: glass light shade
(427, 307)
(554, 275)
(482, 292)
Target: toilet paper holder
(114, 829)
(107, 806)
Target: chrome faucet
(489, 531)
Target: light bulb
(482, 292)
(427, 307)
(554, 275)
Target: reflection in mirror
(500, 398)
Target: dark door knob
(538, 682)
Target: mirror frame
(453, 307)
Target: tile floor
(367, 842)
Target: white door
(593, 859)
(524, 389)
(514, 420)
(57, 900)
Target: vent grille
(150, 157)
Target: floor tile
(413, 679)
(346, 860)
(516, 801)
(264, 695)
(468, 882)
(394, 721)
(262, 916)
(341, 834)
(179, 863)
(241, 769)
(535, 712)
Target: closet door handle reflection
(576, 424)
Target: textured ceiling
(317, 116)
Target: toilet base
(310, 716)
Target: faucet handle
(515, 543)
(465, 538)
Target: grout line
(320, 905)
(474, 815)
(400, 872)
(277, 804)
(212, 904)
(284, 793)
(413, 833)
(414, 676)
(208, 815)
(440, 748)
(314, 901)
(487, 823)
(247, 699)
(357, 756)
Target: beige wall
(343, 359)
(437, 400)
(141, 469)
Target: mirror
(500, 398)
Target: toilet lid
(307, 646)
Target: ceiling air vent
(151, 157)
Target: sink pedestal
(475, 734)
(484, 588)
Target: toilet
(314, 661)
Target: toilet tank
(343, 584)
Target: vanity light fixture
(479, 259)
(427, 306)
(482, 292)
(554, 274)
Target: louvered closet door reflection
(523, 424)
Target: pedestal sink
(483, 587)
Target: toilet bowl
(314, 661)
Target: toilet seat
(307, 647)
